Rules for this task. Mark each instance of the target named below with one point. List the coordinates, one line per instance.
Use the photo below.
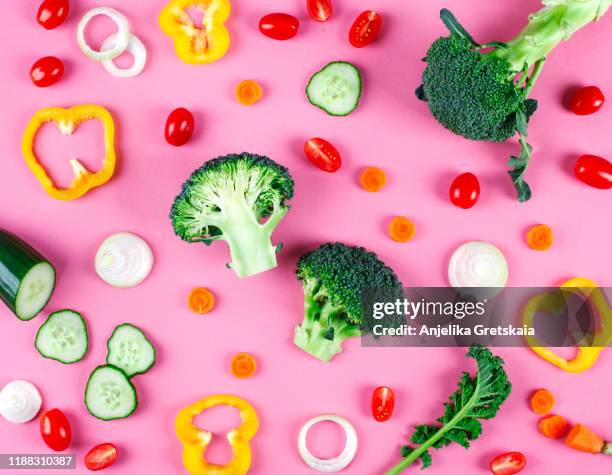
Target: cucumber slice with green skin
(336, 88)
(63, 337)
(109, 394)
(27, 279)
(130, 350)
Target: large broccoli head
(334, 277)
(239, 199)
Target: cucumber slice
(130, 350)
(27, 279)
(109, 394)
(63, 337)
(336, 88)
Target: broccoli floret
(480, 91)
(239, 199)
(334, 276)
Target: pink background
(390, 129)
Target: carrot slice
(201, 300)
(248, 92)
(584, 439)
(542, 401)
(373, 179)
(540, 237)
(243, 365)
(401, 229)
(554, 427)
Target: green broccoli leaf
(519, 167)
(420, 93)
(478, 397)
(455, 27)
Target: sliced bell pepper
(194, 44)
(67, 120)
(195, 440)
(587, 355)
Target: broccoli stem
(556, 22)
(249, 241)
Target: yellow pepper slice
(587, 355)
(67, 120)
(197, 44)
(195, 440)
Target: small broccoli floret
(480, 91)
(334, 276)
(239, 199)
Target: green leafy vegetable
(478, 397)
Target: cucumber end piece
(35, 290)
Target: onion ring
(123, 34)
(477, 264)
(124, 260)
(335, 464)
(135, 47)
(20, 401)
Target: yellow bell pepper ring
(195, 440)
(587, 355)
(197, 44)
(67, 120)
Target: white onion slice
(477, 264)
(122, 35)
(135, 47)
(124, 260)
(20, 401)
(335, 464)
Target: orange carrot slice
(201, 300)
(553, 427)
(243, 365)
(542, 401)
(584, 439)
(540, 237)
(373, 179)
(248, 92)
(401, 229)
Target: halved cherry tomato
(179, 127)
(52, 13)
(587, 100)
(55, 429)
(594, 171)
(323, 154)
(365, 29)
(465, 190)
(47, 71)
(101, 457)
(320, 10)
(279, 26)
(383, 402)
(508, 463)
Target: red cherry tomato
(179, 127)
(55, 429)
(587, 100)
(47, 71)
(594, 171)
(383, 401)
(323, 154)
(279, 26)
(320, 10)
(52, 13)
(508, 463)
(101, 457)
(365, 29)
(465, 190)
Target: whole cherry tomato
(279, 26)
(365, 29)
(52, 13)
(47, 71)
(383, 402)
(587, 100)
(320, 10)
(323, 154)
(179, 127)
(101, 457)
(508, 463)
(465, 190)
(55, 429)
(594, 171)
